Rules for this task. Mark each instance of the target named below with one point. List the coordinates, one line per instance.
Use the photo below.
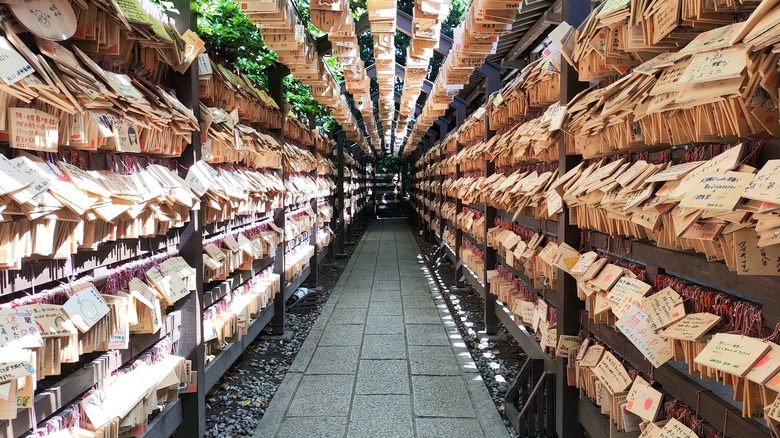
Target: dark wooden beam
(569, 305)
(514, 64)
(191, 345)
(551, 17)
(492, 72)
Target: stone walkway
(384, 359)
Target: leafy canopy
(234, 40)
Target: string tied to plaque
(651, 374)
(751, 157)
(775, 335)
(664, 156)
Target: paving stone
(383, 347)
(296, 427)
(426, 334)
(416, 302)
(415, 289)
(385, 273)
(353, 301)
(441, 396)
(421, 316)
(411, 270)
(381, 416)
(343, 315)
(341, 334)
(334, 360)
(433, 361)
(322, 396)
(382, 377)
(448, 428)
(359, 285)
(363, 272)
(382, 324)
(385, 325)
(486, 410)
(385, 295)
(385, 308)
(306, 352)
(387, 285)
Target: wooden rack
(184, 323)
(574, 414)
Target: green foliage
(456, 16)
(433, 68)
(402, 41)
(298, 96)
(303, 9)
(387, 164)
(335, 67)
(358, 7)
(406, 6)
(366, 43)
(233, 39)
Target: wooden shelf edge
(225, 359)
(166, 422)
(595, 423)
(232, 224)
(450, 253)
(678, 385)
(321, 255)
(527, 342)
(550, 295)
(473, 281)
(107, 254)
(290, 289)
(236, 279)
(473, 240)
(67, 390)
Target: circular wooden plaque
(50, 19)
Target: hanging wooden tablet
(50, 19)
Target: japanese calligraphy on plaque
(32, 129)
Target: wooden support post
(350, 206)
(190, 343)
(492, 72)
(569, 305)
(313, 279)
(442, 125)
(364, 182)
(340, 208)
(460, 106)
(373, 192)
(441, 195)
(276, 90)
